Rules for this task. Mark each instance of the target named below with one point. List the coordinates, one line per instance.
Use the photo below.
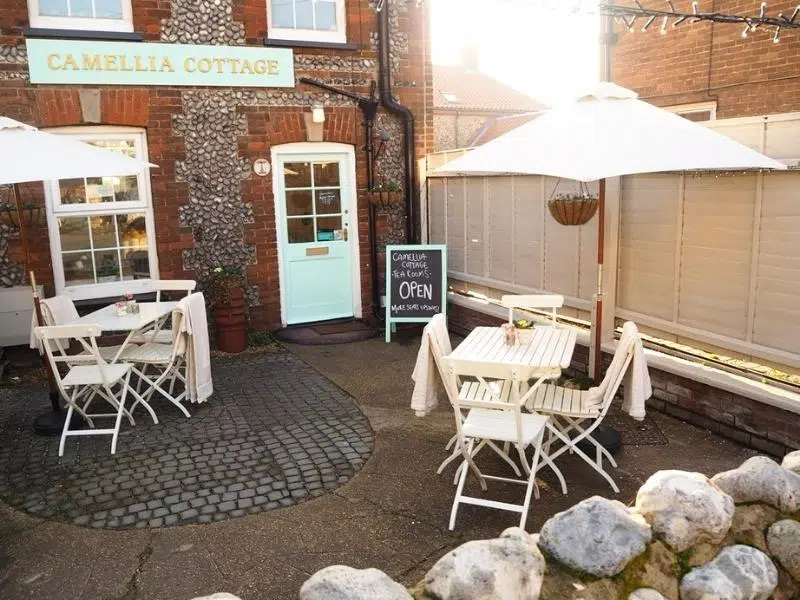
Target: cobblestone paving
(274, 433)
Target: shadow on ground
(392, 515)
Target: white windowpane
(135, 263)
(74, 233)
(132, 229)
(104, 233)
(107, 266)
(283, 13)
(53, 8)
(80, 8)
(325, 15)
(304, 14)
(78, 268)
(108, 9)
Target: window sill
(308, 44)
(82, 34)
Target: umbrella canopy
(27, 154)
(607, 133)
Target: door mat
(334, 328)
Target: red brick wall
(154, 108)
(755, 424)
(703, 62)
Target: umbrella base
(608, 437)
(52, 423)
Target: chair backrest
(58, 310)
(623, 355)
(551, 301)
(57, 338)
(451, 384)
(173, 285)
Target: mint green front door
(316, 238)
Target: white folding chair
(536, 301)
(60, 310)
(88, 376)
(453, 387)
(499, 419)
(168, 361)
(163, 335)
(580, 412)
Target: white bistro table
(110, 322)
(542, 357)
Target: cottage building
(257, 169)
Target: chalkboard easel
(416, 284)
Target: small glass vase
(122, 309)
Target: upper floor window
(699, 112)
(307, 20)
(96, 15)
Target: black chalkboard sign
(416, 284)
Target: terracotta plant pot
(231, 323)
(384, 198)
(573, 210)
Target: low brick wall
(755, 424)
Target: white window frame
(55, 210)
(339, 36)
(81, 23)
(697, 107)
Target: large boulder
(737, 573)
(792, 462)
(218, 596)
(783, 539)
(645, 594)
(685, 509)
(761, 479)
(510, 567)
(596, 536)
(750, 523)
(339, 582)
(654, 570)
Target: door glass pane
(81, 8)
(132, 230)
(74, 233)
(104, 234)
(300, 230)
(108, 9)
(283, 13)
(297, 174)
(304, 14)
(326, 174)
(298, 202)
(53, 8)
(135, 263)
(107, 265)
(329, 229)
(328, 201)
(78, 268)
(325, 14)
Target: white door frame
(347, 152)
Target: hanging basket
(573, 209)
(385, 198)
(31, 215)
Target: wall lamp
(317, 114)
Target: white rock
(737, 573)
(339, 582)
(646, 594)
(597, 536)
(783, 539)
(761, 479)
(685, 509)
(510, 567)
(792, 461)
(218, 596)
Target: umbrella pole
(598, 311)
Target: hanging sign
(134, 63)
(416, 284)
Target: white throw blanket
(58, 310)
(426, 375)
(636, 381)
(199, 385)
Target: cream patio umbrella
(26, 155)
(607, 133)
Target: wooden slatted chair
(531, 302)
(499, 419)
(88, 377)
(577, 413)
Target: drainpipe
(394, 107)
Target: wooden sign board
(416, 284)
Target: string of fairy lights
(631, 14)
